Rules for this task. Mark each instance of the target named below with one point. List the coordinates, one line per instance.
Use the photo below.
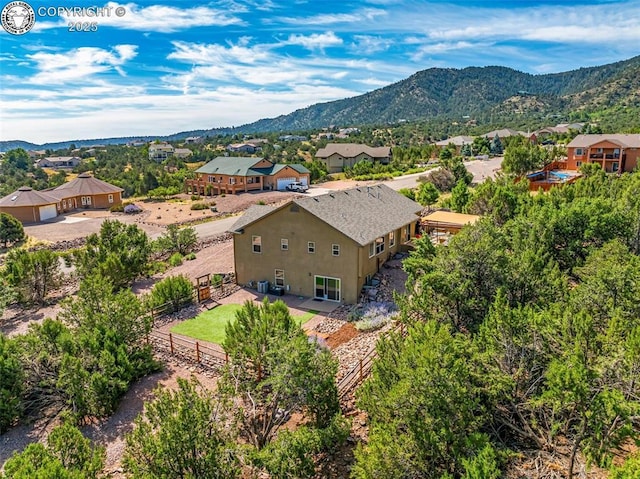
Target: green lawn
(209, 326)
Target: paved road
(213, 228)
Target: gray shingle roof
(362, 214)
(351, 150)
(456, 140)
(624, 140)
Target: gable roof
(456, 140)
(624, 140)
(26, 196)
(84, 184)
(244, 166)
(351, 150)
(362, 214)
(503, 133)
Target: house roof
(351, 150)
(503, 133)
(449, 218)
(456, 140)
(26, 196)
(624, 140)
(362, 214)
(58, 159)
(84, 184)
(244, 166)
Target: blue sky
(166, 67)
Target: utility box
(263, 287)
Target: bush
(190, 257)
(11, 384)
(375, 316)
(175, 260)
(195, 197)
(199, 206)
(174, 290)
(117, 208)
(132, 209)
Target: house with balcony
(337, 156)
(613, 152)
(231, 175)
(160, 151)
(324, 247)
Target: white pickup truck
(297, 186)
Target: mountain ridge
(437, 93)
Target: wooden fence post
(226, 357)
(171, 342)
(197, 351)
(360, 369)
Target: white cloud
(363, 15)
(160, 18)
(204, 54)
(154, 114)
(80, 63)
(315, 40)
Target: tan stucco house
(337, 156)
(85, 191)
(230, 175)
(324, 247)
(613, 152)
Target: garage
(47, 212)
(283, 182)
(303, 180)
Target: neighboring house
(457, 141)
(243, 148)
(337, 156)
(228, 174)
(30, 206)
(58, 162)
(192, 140)
(504, 133)
(325, 247)
(160, 151)
(292, 138)
(182, 153)
(614, 152)
(33, 154)
(85, 191)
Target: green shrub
(11, 383)
(195, 197)
(199, 206)
(176, 291)
(117, 208)
(175, 260)
(190, 257)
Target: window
(392, 238)
(232, 181)
(110, 198)
(64, 204)
(311, 247)
(83, 200)
(579, 151)
(614, 166)
(408, 232)
(212, 179)
(279, 278)
(335, 249)
(379, 245)
(372, 249)
(256, 244)
(598, 150)
(284, 244)
(88, 200)
(578, 164)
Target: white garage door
(283, 182)
(48, 212)
(303, 180)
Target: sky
(157, 68)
